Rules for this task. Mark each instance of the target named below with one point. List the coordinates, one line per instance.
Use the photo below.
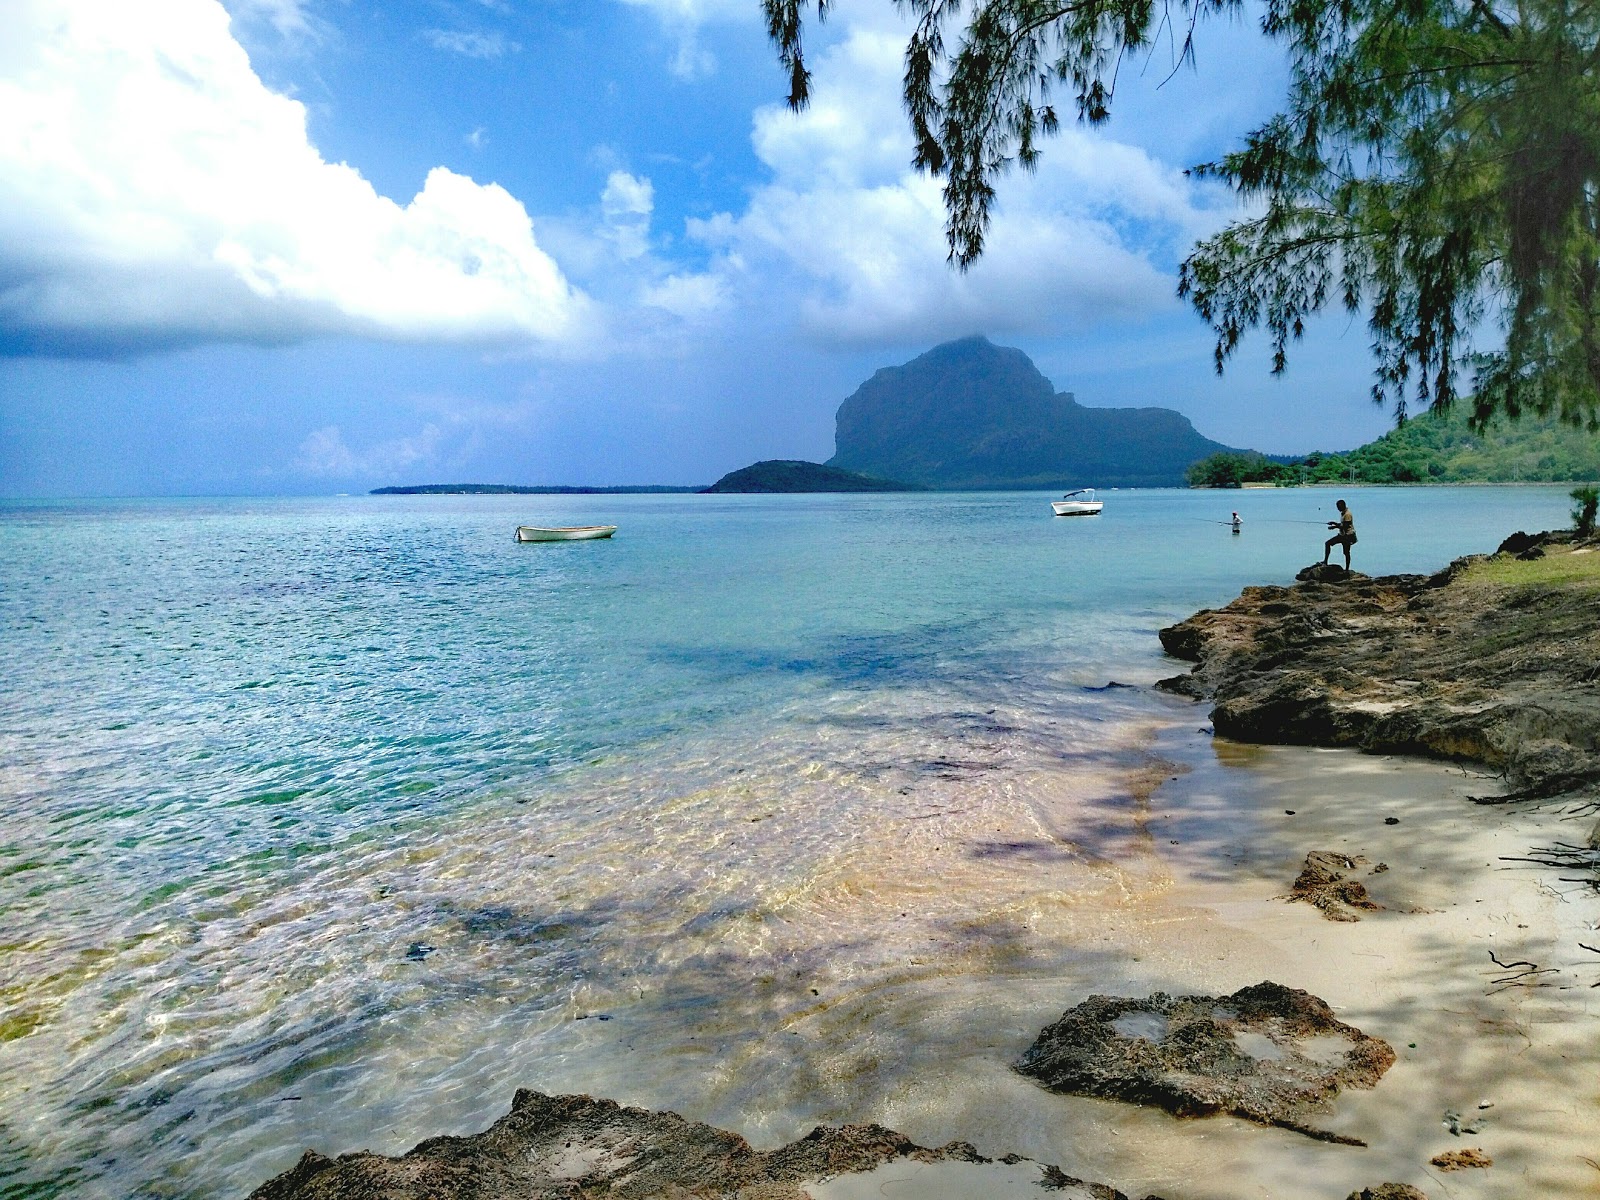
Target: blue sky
(303, 246)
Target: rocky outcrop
(577, 1147)
(1481, 665)
(1250, 1054)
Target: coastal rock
(576, 1147)
(1456, 665)
(1388, 1191)
(1324, 883)
(1267, 1053)
(1327, 573)
(1461, 1160)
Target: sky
(321, 246)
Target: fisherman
(1236, 523)
(1346, 535)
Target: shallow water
(332, 822)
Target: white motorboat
(564, 533)
(1080, 503)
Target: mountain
(794, 475)
(970, 414)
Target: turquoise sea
(331, 822)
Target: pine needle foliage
(1435, 165)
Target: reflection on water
(333, 823)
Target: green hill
(1434, 448)
(970, 414)
(794, 475)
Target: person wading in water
(1346, 537)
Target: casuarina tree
(1435, 166)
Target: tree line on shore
(1434, 448)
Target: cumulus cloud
(155, 193)
(859, 234)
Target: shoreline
(1208, 914)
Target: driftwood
(1516, 977)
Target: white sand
(1418, 975)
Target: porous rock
(581, 1148)
(1323, 882)
(1246, 1054)
(1445, 665)
(1461, 1160)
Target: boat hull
(570, 533)
(1077, 508)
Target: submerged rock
(1388, 1191)
(1454, 665)
(1323, 882)
(576, 1147)
(1268, 1053)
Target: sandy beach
(1515, 1061)
(1417, 974)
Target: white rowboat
(566, 533)
(1080, 503)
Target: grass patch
(1560, 568)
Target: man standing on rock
(1346, 537)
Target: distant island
(1432, 448)
(508, 489)
(795, 475)
(972, 415)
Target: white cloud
(470, 44)
(859, 235)
(154, 193)
(453, 431)
(324, 454)
(683, 19)
(288, 17)
(688, 297)
(626, 206)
